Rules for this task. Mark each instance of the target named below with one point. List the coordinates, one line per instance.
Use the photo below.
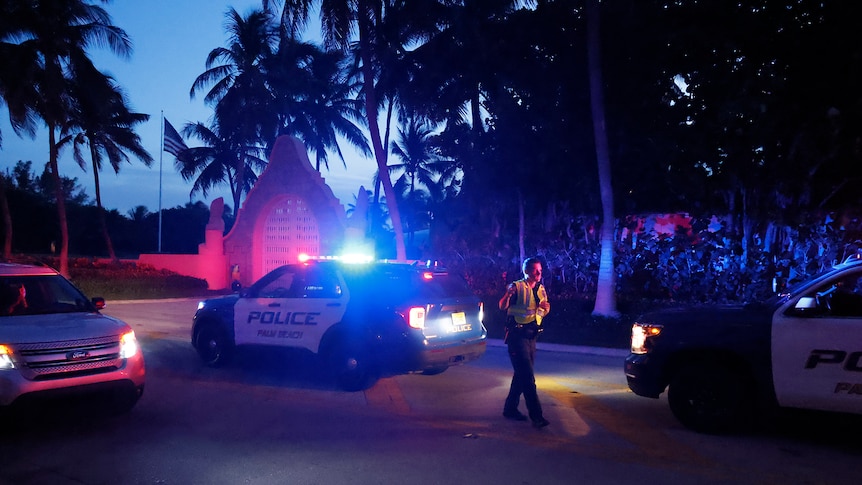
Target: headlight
(128, 345)
(6, 358)
(641, 332)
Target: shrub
(128, 280)
(124, 280)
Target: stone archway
(289, 211)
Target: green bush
(124, 280)
(131, 281)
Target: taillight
(416, 317)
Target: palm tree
(423, 177)
(340, 19)
(316, 99)
(605, 292)
(55, 37)
(245, 114)
(138, 214)
(101, 120)
(220, 160)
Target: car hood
(57, 327)
(711, 314)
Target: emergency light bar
(345, 258)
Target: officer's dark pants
(522, 353)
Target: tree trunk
(606, 304)
(7, 221)
(109, 245)
(374, 129)
(61, 201)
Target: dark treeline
(33, 209)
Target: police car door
(292, 310)
(817, 349)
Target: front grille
(59, 360)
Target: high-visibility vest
(525, 307)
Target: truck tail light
(641, 333)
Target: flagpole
(161, 154)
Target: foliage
(699, 262)
(120, 281)
(31, 198)
(116, 280)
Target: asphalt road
(272, 418)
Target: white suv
(54, 342)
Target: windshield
(803, 285)
(39, 295)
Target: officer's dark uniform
(522, 329)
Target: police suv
(720, 366)
(362, 319)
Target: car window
(843, 297)
(320, 283)
(34, 295)
(284, 286)
(302, 282)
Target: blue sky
(171, 40)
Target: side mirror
(99, 302)
(807, 306)
(806, 303)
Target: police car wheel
(351, 367)
(708, 399)
(212, 346)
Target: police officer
(525, 303)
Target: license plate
(459, 322)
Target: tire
(351, 366)
(709, 399)
(213, 345)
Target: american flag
(174, 143)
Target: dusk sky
(171, 40)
